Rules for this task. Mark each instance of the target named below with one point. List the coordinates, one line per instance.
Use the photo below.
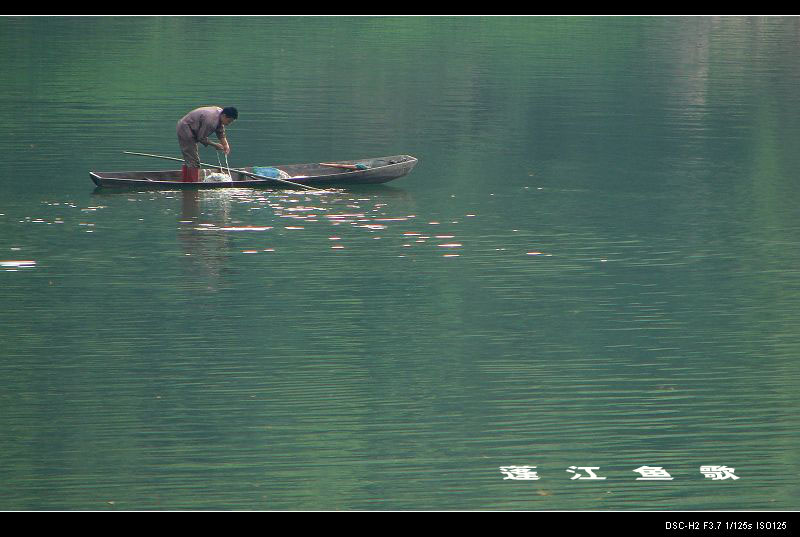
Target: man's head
(229, 115)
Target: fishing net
(215, 177)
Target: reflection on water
(204, 255)
(206, 223)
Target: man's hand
(223, 146)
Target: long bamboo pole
(244, 172)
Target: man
(195, 127)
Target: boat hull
(379, 170)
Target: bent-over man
(195, 127)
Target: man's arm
(223, 145)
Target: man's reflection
(204, 245)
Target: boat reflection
(215, 226)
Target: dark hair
(231, 112)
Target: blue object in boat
(266, 171)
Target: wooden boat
(328, 175)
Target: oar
(344, 166)
(243, 172)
